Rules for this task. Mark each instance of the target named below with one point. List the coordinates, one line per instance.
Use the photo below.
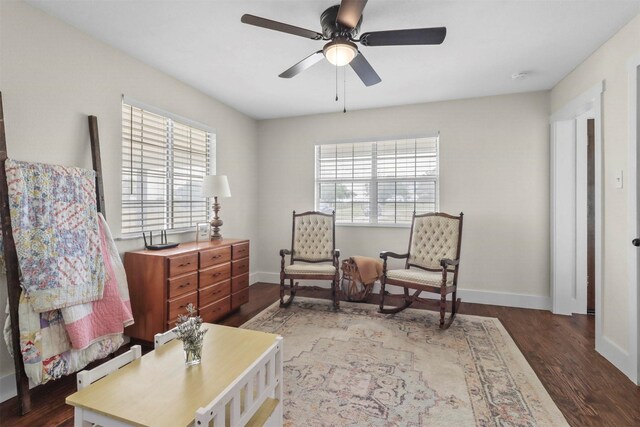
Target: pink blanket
(87, 323)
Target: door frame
(633, 203)
(565, 213)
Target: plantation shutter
(163, 164)
(380, 182)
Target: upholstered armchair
(432, 263)
(313, 254)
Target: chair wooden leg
(382, 284)
(455, 306)
(443, 305)
(335, 293)
(281, 289)
(293, 287)
(408, 300)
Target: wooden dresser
(213, 276)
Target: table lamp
(215, 186)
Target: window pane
(404, 172)
(163, 163)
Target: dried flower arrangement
(188, 331)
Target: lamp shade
(215, 186)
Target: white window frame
(211, 167)
(373, 202)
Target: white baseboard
(505, 299)
(616, 355)
(253, 278)
(8, 387)
(467, 295)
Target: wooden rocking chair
(434, 251)
(313, 242)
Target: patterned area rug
(356, 367)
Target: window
(164, 159)
(381, 182)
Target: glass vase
(192, 353)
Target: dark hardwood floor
(586, 387)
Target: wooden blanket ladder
(11, 256)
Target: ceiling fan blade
(279, 26)
(302, 65)
(404, 37)
(350, 12)
(364, 70)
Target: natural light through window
(379, 182)
(164, 161)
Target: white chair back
(161, 339)
(87, 377)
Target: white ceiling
(204, 44)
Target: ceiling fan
(340, 26)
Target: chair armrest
(284, 252)
(444, 262)
(385, 254)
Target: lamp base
(216, 222)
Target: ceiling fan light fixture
(340, 52)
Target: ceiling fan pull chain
(344, 91)
(336, 83)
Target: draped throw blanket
(45, 346)
(55, 228)
(369, 269)
(86, 323)
(62, 341)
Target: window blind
(163, 164)
(380, 182)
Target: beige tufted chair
(432, 263)
(313, 254)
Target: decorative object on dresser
(203, 232)
(313, 245)
(216, 186)
(212, 275)
(434, 251)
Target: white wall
(52, 76)
(609, 63)
(494, 166)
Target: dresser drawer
(183, 264)
(239, 282)
(239, 298)
(179, 305)
(215, 256)
(240, 250)
(215, 311)
(215, 274)
(213, 293)
(183, 285)
(240, 267)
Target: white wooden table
(238, 381)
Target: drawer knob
(184, 285)
(184, 264)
